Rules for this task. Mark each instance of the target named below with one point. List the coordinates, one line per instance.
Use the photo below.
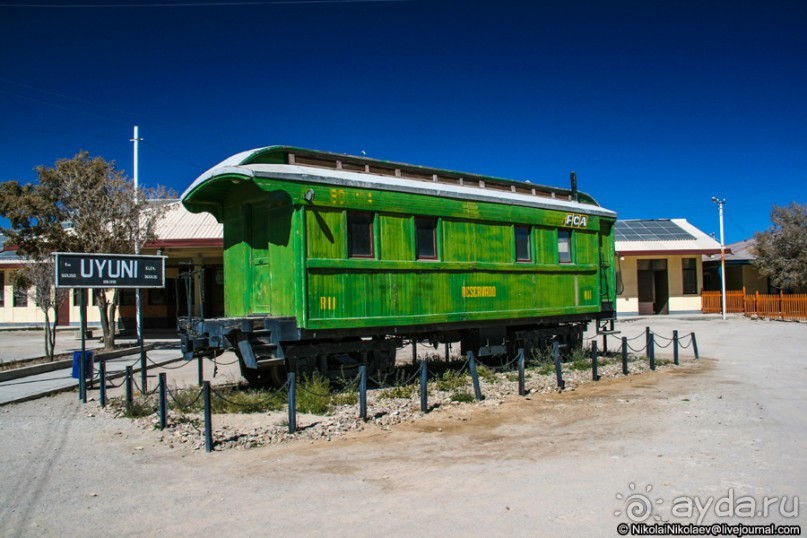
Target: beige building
(740, 273)
(659, 266)
(190, 241)
(659, 272)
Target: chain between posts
(183, 407)
(165, 367)
(152, 391)
(687, 345)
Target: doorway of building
(64, 307)
(654, 288)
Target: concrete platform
(45, 384)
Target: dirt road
(734, 423)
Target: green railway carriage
(331, 260)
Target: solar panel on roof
(650, 230)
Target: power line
(54, 105)
(64, 96)
(129, 115)
(62, 133)
(177, 157)
(198, 4)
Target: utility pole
(720, 203)
(138, 293)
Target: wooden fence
(791, 307)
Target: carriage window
(360, 235)
(523, 251)
(564, 246)
(426, 238)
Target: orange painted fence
(788, 307)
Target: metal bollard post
(82, 379)
(624, 355)
(521, 390)
(163, 402)
(695, 346)
(414, 352)
(604, 344)
(448, 352)
(144, 372)
(558, 369)
(675, 348)
(201, 367)
(424, 393)
(651, 351)
(363, 392)
(474, 376)
(647, 339)
(102, 381)
(208, 417)
(128, 384)
(292, 403)
(594, 374)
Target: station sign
(79, 270)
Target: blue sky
(657, 105)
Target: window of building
(523, 250)
(20, 296)
(426, 238)
(127, 297)
(156, 297)
(77, 293)
(564, 246)
(689, 275)
(360, 235)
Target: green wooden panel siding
(237, 275)
(327, 197)
(261, 263)
(287, 257)
(484, 242)
(607, 262)
(586, 247)
(369, 298)
(325, 230)
(259, 266)
(546, 245)
(395, 237)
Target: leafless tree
(39, 274)
(86, 205)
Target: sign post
(89, 271)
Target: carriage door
(653, 284)
(607, 270)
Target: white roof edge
(373, 181)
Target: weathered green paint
(284, 256)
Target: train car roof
(310, 166)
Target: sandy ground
(733, 423)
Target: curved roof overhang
(208, 191)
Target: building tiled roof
(739, 253)
(181, 226)
(662, 236)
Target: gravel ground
(552, 463)
(385, 409)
